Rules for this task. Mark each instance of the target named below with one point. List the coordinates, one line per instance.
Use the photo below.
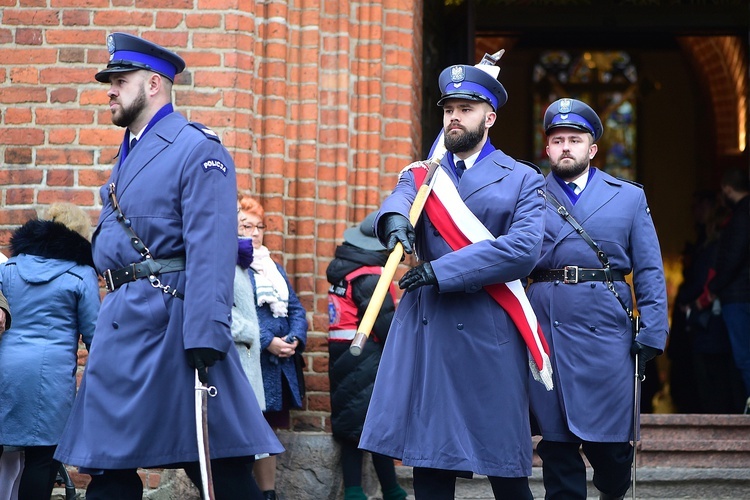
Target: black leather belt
(144, 269)
(575, 274)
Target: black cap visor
(123, 67)
(576, 126)
(469, 96)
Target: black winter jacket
(732, 281)
(352, 377)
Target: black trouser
(564, 471)
(351, 466)
(39, 473)
(438, 484)
(232, 479)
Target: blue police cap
(467, 82)
(130, 53)
(573, 113)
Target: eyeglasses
(251, 227)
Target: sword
(202, 391)
(394, 259)
(636, 408)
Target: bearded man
(582, 300)
(451, 394)
(166, 243)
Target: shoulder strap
(205, 130)
(563, 212)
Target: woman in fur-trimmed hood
(53, 290)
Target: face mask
(244, 252)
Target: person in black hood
(353, 275)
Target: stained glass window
(608, 82)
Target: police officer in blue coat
(585, 322)
(166, 244)
(451, 393)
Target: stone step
(653, 482)
(695, 441)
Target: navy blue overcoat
(135, 406)
(587, 329)
(452, 386)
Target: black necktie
(573, 186)
(460, 168)
(133, 142)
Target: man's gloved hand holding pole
(397, 228)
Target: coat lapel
(487, 171)
(600, 190)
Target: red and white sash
(460, 227)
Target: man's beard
(129, 114)
(569, 171)
(466, 141)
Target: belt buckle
(109, 284)
(566, 275)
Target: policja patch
(214, 165)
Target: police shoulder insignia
(206, 131)
(541, 193)
(214, 165)
(648, 211)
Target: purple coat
(587, 329)
(135, 406)
(452, 387)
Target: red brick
(30, 56)
(168, 20)
(64, 156)
(29, 36)
(62, 95)
(63, 116)
(76, 17)
(16, 217)
(18, 156)
(16, 116)
(76, 196)
(60, 178)
(62, 135)
(20, 196)
(22, 136)
(31, 17)
(112, 17)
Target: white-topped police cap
(468, 82)
(130, 53)
(573, 113)
(363, 236)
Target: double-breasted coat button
(556, 323)
(115, 325)
(460, 326)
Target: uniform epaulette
(417, 164)
(206, 131)
(640, 186)
(532, 165)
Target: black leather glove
(418, 276)
(397, 228)
(200, 358)
(645, 354)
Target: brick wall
(317, 100)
